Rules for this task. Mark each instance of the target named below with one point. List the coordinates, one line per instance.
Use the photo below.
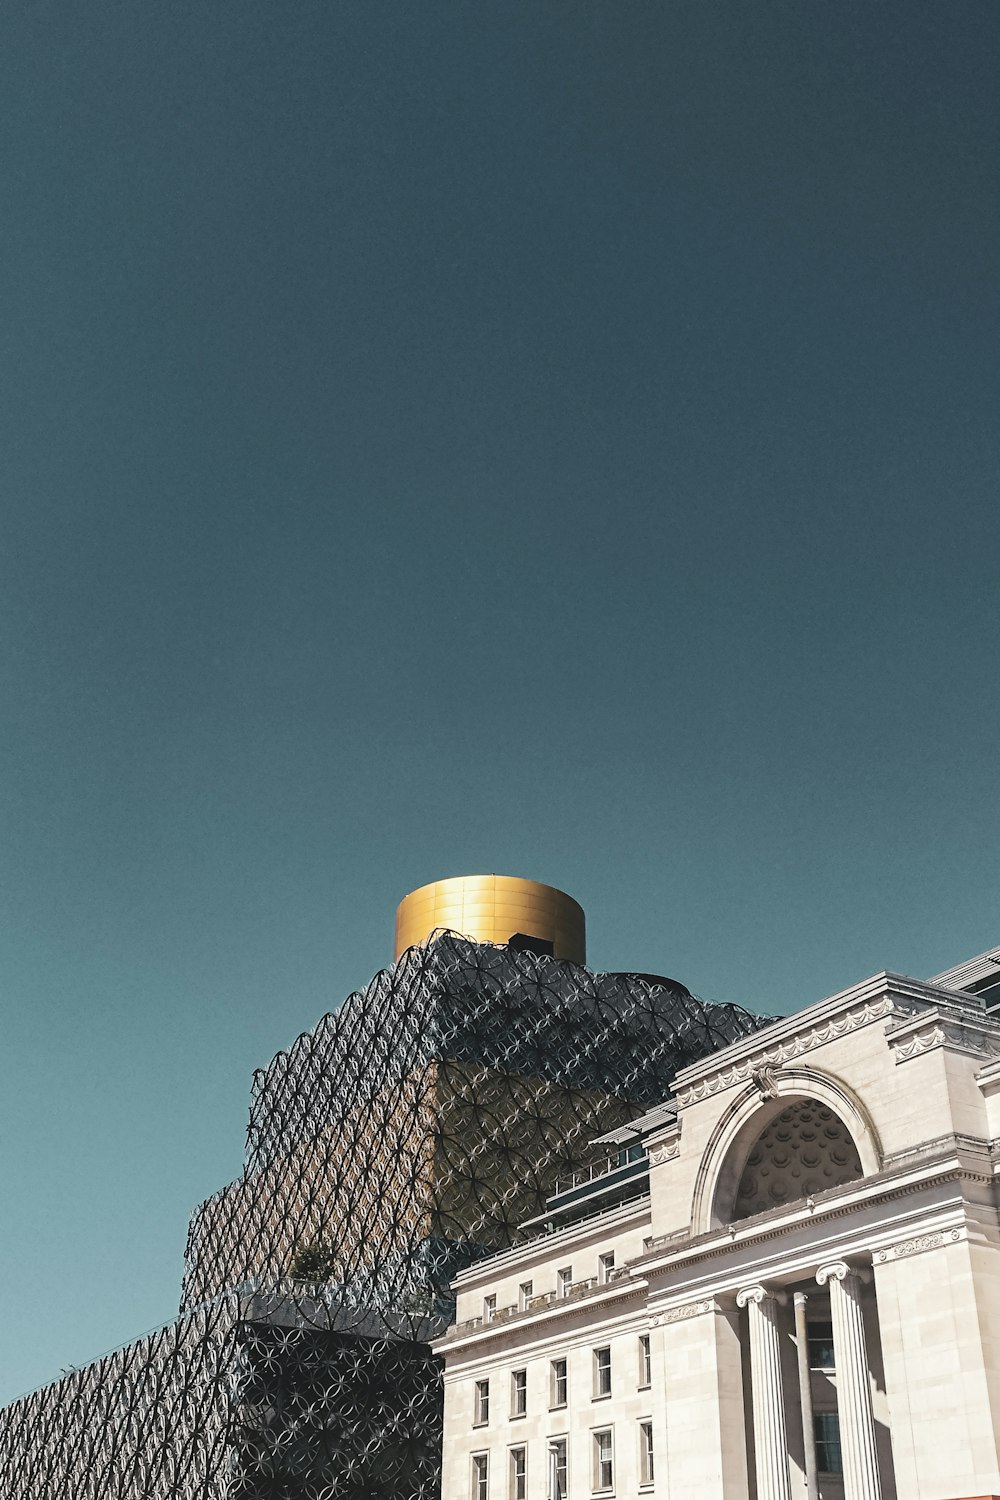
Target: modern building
(408, 1134)
(783, 1283)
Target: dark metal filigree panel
(409, 1133)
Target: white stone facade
(864, 1133)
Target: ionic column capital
(757, 1294)
(840, 1270)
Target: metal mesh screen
(406, 1135)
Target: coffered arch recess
(782, 1139)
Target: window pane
(820, 1338)
(645, 1453)
(558, 1488)
(603, 1467)
(518, 1474)
(602, 1372)
(826, 1426)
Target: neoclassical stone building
(784, 1284)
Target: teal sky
(552, 437)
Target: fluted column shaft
(770, 1440)
(854, 1392)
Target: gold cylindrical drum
(493, 909)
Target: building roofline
(915, 993)
(983, 966)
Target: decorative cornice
(916, 1035)
(681, 1314)
(938, 1146)
(761, 1067)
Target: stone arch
(852, 1144)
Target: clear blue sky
(555, 437)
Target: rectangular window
(559, 1383)
(820, 1337)
(645, 1361)
(489, 1308)
(518, 1393)
(604, 1468)
(564, 1280)
(524, 1295)
(826, 1426)
(558, 1470)
(602, 1372)
(645, 1453)
(518, 1474)
(605, 1266)
(480, 1476)
(482, 1403)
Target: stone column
(770, 1441)
(854, 1392)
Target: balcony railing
(584, 1176)
(635, 1166)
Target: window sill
(559, 1406)
(601, 1396)
(480, 1424)
(518, 1416)
(647, 1387)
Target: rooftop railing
(571, 1293)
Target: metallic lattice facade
(407, 1134)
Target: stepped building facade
(420, 1128)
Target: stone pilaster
(854, 1392)
(770, 1440)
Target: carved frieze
(939, 1031)
(665, 1151)
(763, 1064)
(917, 1244)
(681, 1314)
